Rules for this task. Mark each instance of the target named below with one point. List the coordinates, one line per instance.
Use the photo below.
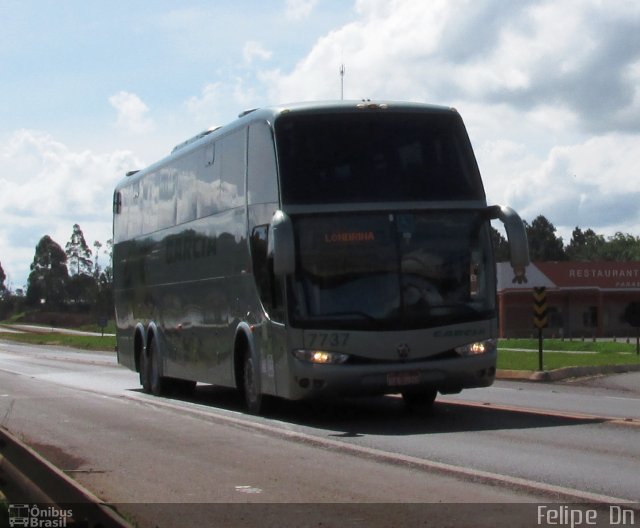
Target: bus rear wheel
(251, 384)
(144, 372)
(157, 382)
(419, 401)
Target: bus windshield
(375, 156)
(393, 271)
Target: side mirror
(517, 236)
(280, 244)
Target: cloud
(46, 188)
(299, 9)
(524, 54)
(592, 184)
(207, 102)
(254, 50)
(550, 93)
(132, 113)
(586, 63)
(211, 107)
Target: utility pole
(342, 82)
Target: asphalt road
(358, 463)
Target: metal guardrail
(35, 487)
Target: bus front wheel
(251, 384)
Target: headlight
(475, 349)
(320, 356)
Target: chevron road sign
(540, 317)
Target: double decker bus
(313, 250)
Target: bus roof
(341, 106)
(271, 113)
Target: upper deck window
(375, 157)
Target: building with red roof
(585, 299)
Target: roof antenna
(342, 82)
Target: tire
(419, 401)
(251, 384)
(144, 372)
(157, 382)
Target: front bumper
(449, 375)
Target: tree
(585, 246)
(5, 296)
(622, 248)
(3, 278)
(97, 246)
(108, 269)
(500, 246)
(49, 274)
(544, 245)
(82, 291)
(104, 301)
(78, 253)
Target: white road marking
(248, 489)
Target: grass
(96, 343)
(570, 346)
(559, 354)
(109, 329)
(15, 318)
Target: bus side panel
(196, 276)
(129, 288)
(199, 328)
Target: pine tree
(97, 245)
(78, 253)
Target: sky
(549, 92)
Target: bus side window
(186, 190)
(262, 180)
(210, 183)
(232, 154)
(269, 286)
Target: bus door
(262, 203)
(270, 332)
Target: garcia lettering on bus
(188, 247)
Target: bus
(313, 250)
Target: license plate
(401, 379)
